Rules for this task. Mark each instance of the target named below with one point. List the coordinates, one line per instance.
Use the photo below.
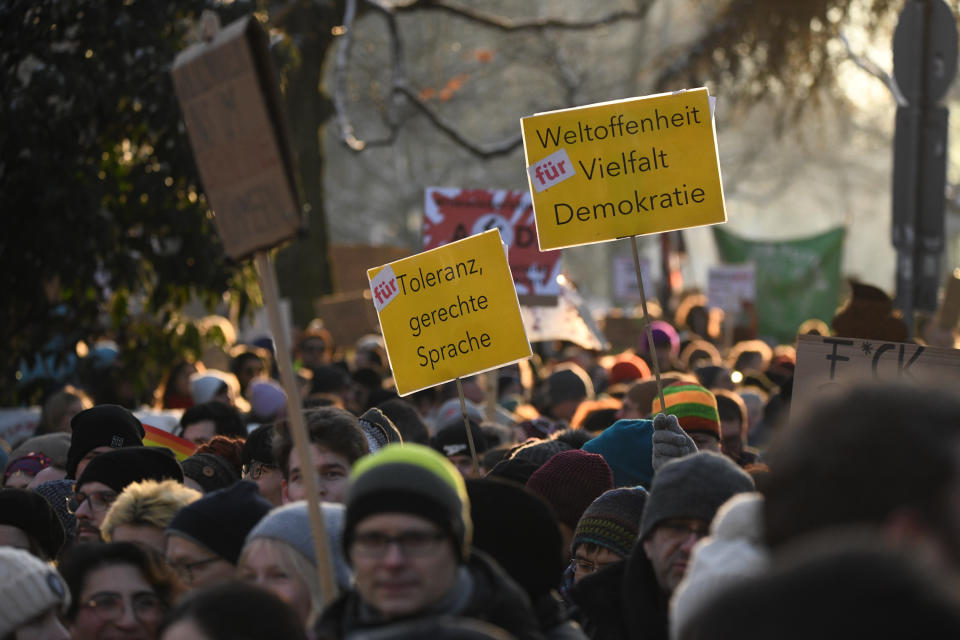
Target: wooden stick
(466, 425)
(646, 322)
(298, 428)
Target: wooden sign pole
(466, 425)
(298, 428)
(646, 322)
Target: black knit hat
(221, 520)
(210, 471)
(122, 467)
(520, 531)
(30, 512)
(692, 487)
(106, 425)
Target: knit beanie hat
(204, 386)
(663, 333)
(378, 428)
(56, 492)
(567, 382)
(121, 467)
(28, 588)
(221, 520)
(628, 367)
(539, 451)
(627, 446)
(452, 440)
(411, 479)
(517, 470)
(33, 515)
(693, 487)
(290, 524)
(30, 464)
(210, 471)
(694, 406)
(520, 532)
(268, 400)
(53, 445)
(106, 425)
(612, 521)
(570, 481)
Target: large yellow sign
(623, 168)
(449, 312)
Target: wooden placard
(347, 316)
(227, 90)
(351, 261)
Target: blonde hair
(148, 502)
(294, 563)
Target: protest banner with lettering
(452, 214)
(796, 279)
(227, 89)
(827, 363)
(730, 285)
(623, 168)
(449, 312)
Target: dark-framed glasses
(99, 500)
(412, 544)
(256, 469)
(188, 570)
(108, 605)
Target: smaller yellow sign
(623, 168)
(449, 312)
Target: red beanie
(627, 368)
(570, 481)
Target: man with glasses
(629, 599)
(106, 476)
(408, 538)
(260, 466)
(205, 538)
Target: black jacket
(494, 598)
(622, 601)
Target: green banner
(796, 279)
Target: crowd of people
(668, 490)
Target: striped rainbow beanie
(412, 479)
(694, 406)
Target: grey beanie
(291, 524)
(28, 588)
(692, 487)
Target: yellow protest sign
(449, 312)
(623, 168)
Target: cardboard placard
(623, 168)
(625, 286)
(347, 316)
(623, 332)
(569, 320)
(449, 312)
(451, 214)
(825, 362)
(227, 90)
(730, 285)
(349, 263)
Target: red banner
(452, 214)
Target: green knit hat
(413, 479)
(694, 406)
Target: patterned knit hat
(627, 447)
(612, 521)
(411, 479)
(694, 406)
(570, 481)
(28, 588)
(379, 429)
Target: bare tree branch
(506, 24)
(399, 82)
(875, 70)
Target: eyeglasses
(107, 606)
(255, 470)
(413, 544)
(99, 500)
(582, 565)
(188, 570)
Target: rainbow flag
(155, 437)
